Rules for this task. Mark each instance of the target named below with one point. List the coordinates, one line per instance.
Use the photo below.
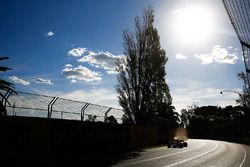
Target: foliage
(214, 122)
(244, 97)
(91, 118)
(125, 119)
(111, 119)
(211, 114)
(4, 86)
(142, 89)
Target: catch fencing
(239, 14)
(36, 105)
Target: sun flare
(192, 25)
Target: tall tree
(4, 86)
(142, 89)
(244, 97)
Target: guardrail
(36, 105)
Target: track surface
(199, 153)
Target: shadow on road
(88, 157)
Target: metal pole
(106, 115)
(83, 109)
(50, 106)
(4, 96)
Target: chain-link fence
(239, 14)
(36, 105)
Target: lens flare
(193, 25)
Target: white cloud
(17, 80)
(80, 73)
(103, 60)
(219, 55)
(236, 49)
(205, 58)
(176, 11)
(180, 56)
(43, 81)
(77, 52)
(68, 65)
(50, 34)
(111, 72)
(217, 46)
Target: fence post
(106, 115)
(50, 106)
(83, 109)
(5, 97)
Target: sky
(68, 48)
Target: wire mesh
(116, 113)
(67, 109)
(239, 14)
(29, 101)
(35, 105)
(246, 55)
(97, 110)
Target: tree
(244, 97)
(112, 120)
(91, 118)
(185, 117)
(4, 86)
(142, 89)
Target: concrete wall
(21, 137)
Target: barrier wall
(22, 137)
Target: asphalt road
(199, 153)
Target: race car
(177, 143)
(178, 138)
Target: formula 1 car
(177, 143)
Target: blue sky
(68, 48)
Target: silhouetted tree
(125, 119)
(215, 122)
(91, 118)
(244, 97)
(185, 117)
(111, 119)
(4, 86)
(142, 89)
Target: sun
(193, 25)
